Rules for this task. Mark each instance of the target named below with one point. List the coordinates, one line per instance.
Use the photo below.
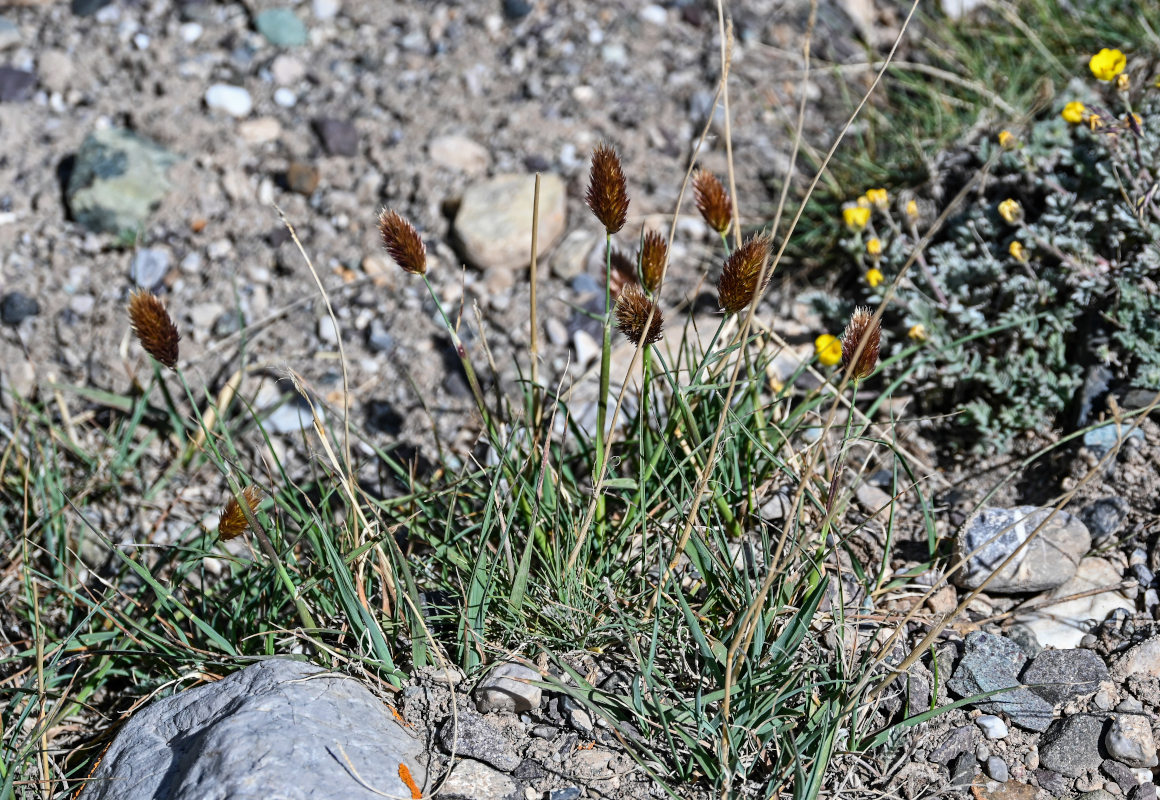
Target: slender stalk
(605, 368)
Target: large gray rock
(494, 221)
(991, 664)
(117, 181)
(1049, 561)
(279, 728)
(1071, 746)
(1130, 741)
(1059, 675)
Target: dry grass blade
(153, 327)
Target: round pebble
(148, 267)
(233, 100)
(15, 307)
(285, 98)
(992, 726)
(997, 769)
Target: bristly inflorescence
(607, 193)
(622, 272)
(865, 332)
(712, 200)
(654, 253)
(153, 327)
(632, 314)
(738, 285)
(233, 522)
(402, 242)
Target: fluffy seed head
(865, 332)
(632, 311)
(654, 252)
(737, 286)
(712, 200)
(402, 242)
(607, 193)
(153, 327)
(233, 522)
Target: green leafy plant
(1044, 275)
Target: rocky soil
(154, 143)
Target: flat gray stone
(279, 728)
(1071, 746)
(281, 27)
(494, 221)
(991, 664)
(1061, 675)
(119, 179)
(1049, 561)
(471, 780)
(479, 737)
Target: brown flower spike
(738, 284)
(623, 272)
(403, 242)
(153, 327)
(632, 311)
(712, 200)
(861, 328)
(607, 195)
(653, 255)
(233, 522)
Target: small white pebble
(141, 41)
(190, 32)
(233, 100)
(285, 98)
(992, 726)
(654, 14)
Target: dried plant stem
(537, 402)
(468, 368)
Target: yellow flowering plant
(1107, 64)
(1073, 112)
(874, 277)
(856, 217)
(829, 349)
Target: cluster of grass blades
(747, 669)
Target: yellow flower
(1073, 112)
(856, 217)
(863, 201)
(874, 277)
(874, 247)
(1094, 121)
(1007, 140)
(917, 332)
(1122, 82)
(829, 349)
(1107, 64)
(1018, 252)
(912, 210)
(878, 198)
(1010, 211)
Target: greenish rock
(281, 27)
(118, 179)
